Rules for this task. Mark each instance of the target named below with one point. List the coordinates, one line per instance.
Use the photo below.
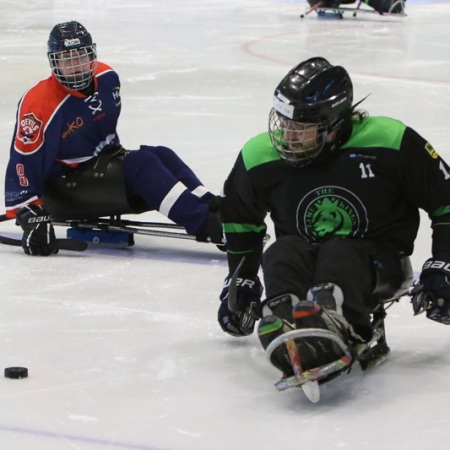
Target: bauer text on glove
(239, 319)
(38, 232)
(432, 294)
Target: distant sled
(329, 9)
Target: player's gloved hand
(212, 228)
(38, 233)
(432, 293)
(239, 320)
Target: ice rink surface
(122, 346)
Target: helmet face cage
(74, 68)
(297, 143)
(312, 109)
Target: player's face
(75, 64)
(75, 68)
(299, 136)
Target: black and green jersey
(372, 188)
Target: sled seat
(96, 188)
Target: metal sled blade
(117, 225)
(311, 390)
(129, 226)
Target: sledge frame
(112, 231)
(338, 11)
(368, 354)
(105, 230)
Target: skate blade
(311, 390)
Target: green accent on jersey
(242, 228)
(376, 132)
(243, 252)
(258, 150)
(441, 211)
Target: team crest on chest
(331, 211)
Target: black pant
(293, 265)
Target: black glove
(242, 321)
(38, 233)
(212, 228)
(432, 294)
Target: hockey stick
(232, 290)
(249, 314)
(313, 8)
(61, 244)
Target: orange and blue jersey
(56, 129)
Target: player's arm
(243, 222)
(22, 195)
(26, 171)
(34, 147)
(243, 214)
(429, 182)
(426, 177)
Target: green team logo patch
(331, 212)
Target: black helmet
(316, 98)
(70, 46)
(68, 35)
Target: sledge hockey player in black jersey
(344, 191)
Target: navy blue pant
(160, 179)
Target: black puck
(16, 372)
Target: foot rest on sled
(102, 238)
(301, 376)
(329, 14)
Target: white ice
(122, 346)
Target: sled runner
(113, 231)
